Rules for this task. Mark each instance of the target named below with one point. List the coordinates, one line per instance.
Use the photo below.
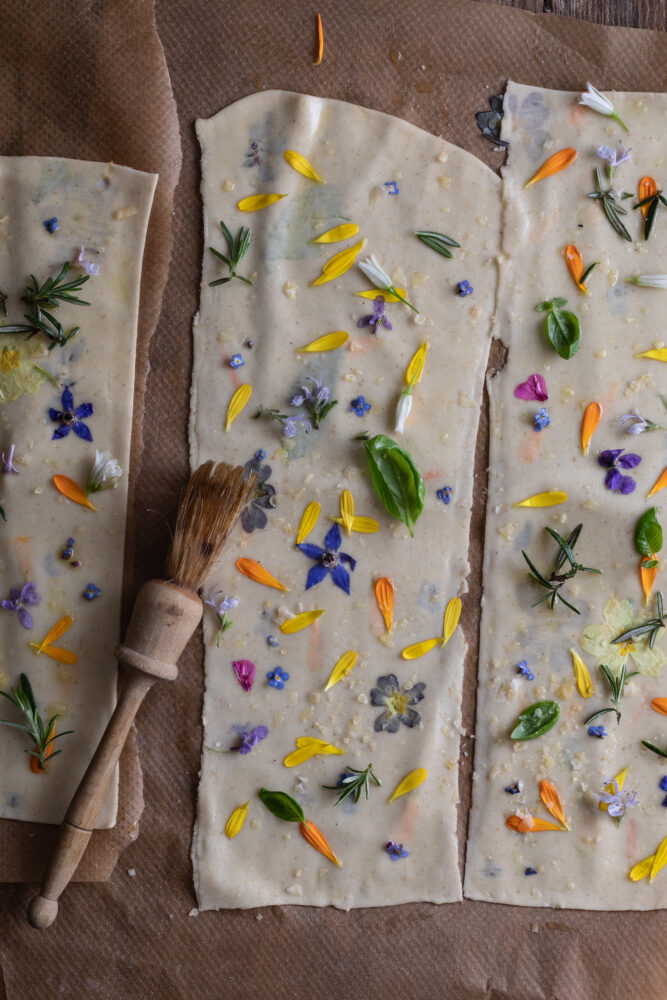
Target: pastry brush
(164, 617)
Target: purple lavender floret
(19, 600)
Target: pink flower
(533, 388)
(245, 671)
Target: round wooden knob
(42, 912)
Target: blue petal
(341, 578)
(312, 551)
(55, 415)
(85, 410)
(82, 431)
(67, 398)
(333, 538)
(344, 557)
(61, 432)
(316, 574)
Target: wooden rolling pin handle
(162, 623)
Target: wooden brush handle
(163, 620)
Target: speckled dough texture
(358, 153)
(105, 208)
(587, 867)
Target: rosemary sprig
(49, 295)
(237, 249)
(353, 782)
(617, 685)
(437, 241)
(610, 205)
(654, 200)
(654, 748)
(650, 628)
(554, 582)
(42, 735)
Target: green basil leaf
(396, 479)
(558, 303)
(648, 533)
(564, 333)
(282, 805)
(543, 306)
(536, 720)
(650, 746)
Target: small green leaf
(648, 533)
(563, 332)
(536, 720)
(654, 749)
(282, 805)
(396, 479)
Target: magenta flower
(612, 459)
(245, 671)
(533, 388)
(19, 600)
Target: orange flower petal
(659, 705)
(559, 161)
(647, 575)
(254, 571)
(384, 594)
(60, 627)
(591, 418)
(530, 824)
(659, 484)
(320, 41)
(551, 798)
(646, 189)
(72, 491)
(575, 265)
(316, 839)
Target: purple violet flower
(464, 288)
(251, 739)
(19, 600)
(8, 463)
(329, 560)
(377, 317)
(245, 671)
(70, 418)
(534, 388)
(396, 851)
(612, 459)
(360, 406)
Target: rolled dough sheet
(390, 179)
(104, 208)
(587, 867)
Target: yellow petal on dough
(641, 869)
(235, 822)
(342, 668)
(581, 675)
(338, 233)
(451, 619)
(415, 369)
(301, 165)
(308, 521)
(257, 201)
(339, 264)
(659, 859)
(301, 621)
(372, 293)
(329, 342)
(410, 781)
(305, 750)
(365, 525)
(347, 510)
(549, 499)
(658, 355)
(419, 649)
(237, 403)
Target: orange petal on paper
(591, 418)
(646, 188)
(659, 705)
(384, 594)
(254, 571)
(559, 161)
(72, 491)
(647, 575)
(530, 824)
(316, 839)
(551, 798)
(320, 41)
(575, 265)
(659, 484)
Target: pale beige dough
(357, 152)
(104, 207)
(587, 867)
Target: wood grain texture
(623, 13)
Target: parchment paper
(133, 938)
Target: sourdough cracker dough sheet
(92, 216)
(389, 179)
(587, 867)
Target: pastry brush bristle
(210, 505)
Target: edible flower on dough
(593, 99)
(377, 317)
(257, 201)
(329, 560)
(307, 747)
(54, 652)
(234, 824)
(396, 851)
(350, 521)
(301, 165)
(449, 622)
(19, 600)
(633, 423)
(396, 703)
(534, 388)
(619, 617)
(613, 458)
(649, 280)
(71, 418)
(381, 279)
(611, 158)
(615, 801)
(559, 161)
(8, 466)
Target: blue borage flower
(389, 695)
(71, 419)
(68, 551)
(612, 459)
(396, 851)
(542, 419)
(444, 494)
(377, 318)
(277, 678)
(360, 406)
(19, 600)
(51, 225)
(663, 783)
(513, 789)
(523, 668)
(393, 187)
(598, 731)
(329, 560)
(464, 288)
(91, 592)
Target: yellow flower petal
(236, 404)
(257, 201)
(72, 491)
(339, 263)
(301, 165)
(372, 293)
(301, 621)
(347, 510)
(308, 521)
(342, 668)
(235, 822)
(451, 619)
(365, 525)
(658, 355)
(338, 233)
(641, 869)
(311, 741)
(58, 654)
(621, 776)
(590, 420)
(581, 675)
(313, 748)
(419, 649)
(549, 499)
(659, 859)
(329, 342)
(410, 781)
(414, 371)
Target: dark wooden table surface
(626, 13)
